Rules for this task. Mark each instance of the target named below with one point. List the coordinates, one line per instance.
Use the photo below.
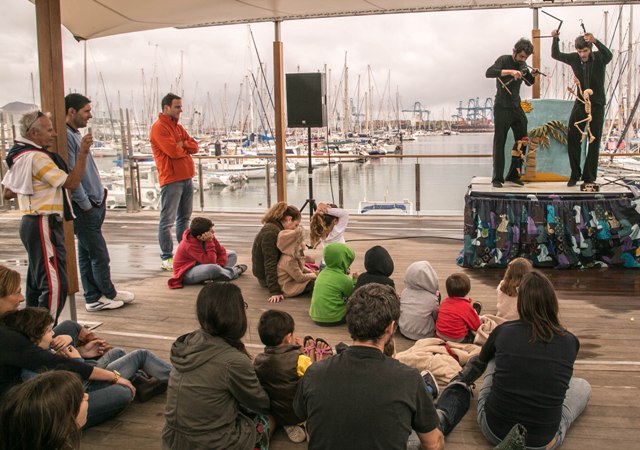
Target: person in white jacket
(419, 302)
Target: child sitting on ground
(379, 267)
(328, 225)
(508, 288)
(293, 276)
(282, 365)
(419, 302)
(333, 286)
(457, 318)
(201, 258)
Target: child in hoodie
(419, 302)
(333, 286)
(200, 257)
(293, 277)
(379, 267)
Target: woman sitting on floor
(46, 412)
(214, 398)
(528, 367)
(265, 254)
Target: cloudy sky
(437, 59)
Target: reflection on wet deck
(600, 306)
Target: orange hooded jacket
(174, 163)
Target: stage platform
(551, 224)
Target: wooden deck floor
(600, 306)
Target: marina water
(443, 181)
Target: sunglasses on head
(40, 114)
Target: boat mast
(345, 100)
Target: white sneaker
(102, 304)
(124, 296)
(167, 264)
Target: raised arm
(555, 48)
(75, 177)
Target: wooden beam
(535, 34)
(278, 93)
(48, 26)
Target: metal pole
(125, 166)
(310, 175)
(340, 186)
(200, 184)
(417, 167)
(267, 170)
(134, 192)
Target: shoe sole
(103, 307)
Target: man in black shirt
(589, 69)
(509, 71)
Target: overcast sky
(437, 59)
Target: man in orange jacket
(172, 149)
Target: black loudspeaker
(306, 100)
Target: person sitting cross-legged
(200, 257)
(363, 399)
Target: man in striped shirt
(38, 178)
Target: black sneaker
(496, 184)
(572, 182)
(516, 181)
(432, 384)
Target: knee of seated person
(580, 383)
(116, 353)
(122, 395)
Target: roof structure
(88, 19)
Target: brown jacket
(293, 276)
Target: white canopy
(87, 19)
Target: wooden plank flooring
(602, 307)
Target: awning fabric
(87, 19)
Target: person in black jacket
(509, 71)
(589, 70)
(379, 265)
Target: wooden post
(535, 35)
(48, 26)
(278, 94)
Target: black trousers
(578, 113)
(505, 119)
(47, 284)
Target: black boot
(148, 387)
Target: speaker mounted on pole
(307, 108)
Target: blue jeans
(107, 400)
(575, 401)
(69, 328)
(93, 256)
(176, 204)
(203, 272)
(142, 359)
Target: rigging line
(615, 88)
(235, 110)
(264, 76)
(266, 116)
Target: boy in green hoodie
(333, 286)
